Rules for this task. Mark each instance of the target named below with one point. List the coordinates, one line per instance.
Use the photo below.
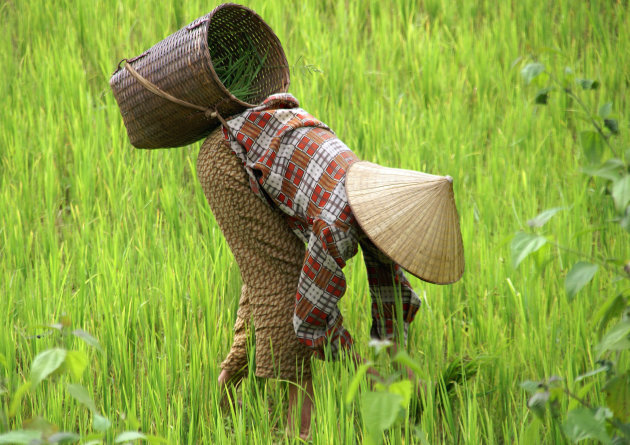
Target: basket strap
(209, 112)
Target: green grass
(122, 240)
(238, 69)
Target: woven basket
(181, 66)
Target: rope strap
(209, 112)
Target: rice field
(120, 242)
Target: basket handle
(133, 59)
(208, 111)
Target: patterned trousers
(269, 256)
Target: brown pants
(269, 257)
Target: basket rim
(207, 23)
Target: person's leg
(301, 400)
(234, 366)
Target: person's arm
(317, 319)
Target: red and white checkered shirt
(296, 163)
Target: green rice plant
(237, 69)
(64, 366)
(398, 396)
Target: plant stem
(601, 263)
(577, 98)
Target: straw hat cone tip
(411, 217)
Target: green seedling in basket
(237, 70)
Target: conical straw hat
(411, 217)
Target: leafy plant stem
(581, 103)
(601, 263)
(576, 398)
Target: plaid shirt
(296, 163)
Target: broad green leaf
(82, 396)
(538, 403)
(404, 389)
(592, 145)
(582, 394)
(45, 363)
(356, 381)
(40, 424)
(64, 437)
(132, 420)
(76, 362)
(530, 387)
(588, 84)
(128, 436)
(611, 169)
(420, 436)
(404, 359)
(17, 397)
(542, 96)
(616, 339)
(582, 423)
(614, 307)
(531, 70)
(592, 373)
(379, 410)
(578, 277)
(604, 110)
(100, 423)
(612, 125)
(3, 361)
(625, 223)
(555, 394)
(20, 436)
(626, 430)
(523, 244)
(532, 432)
(88, 339)
(621, 192)
(617, 392)
(542, 218)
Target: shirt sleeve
(393, 298)
(317, 319)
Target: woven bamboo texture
(411, 217)
(181, 65)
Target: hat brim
(411, 217)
